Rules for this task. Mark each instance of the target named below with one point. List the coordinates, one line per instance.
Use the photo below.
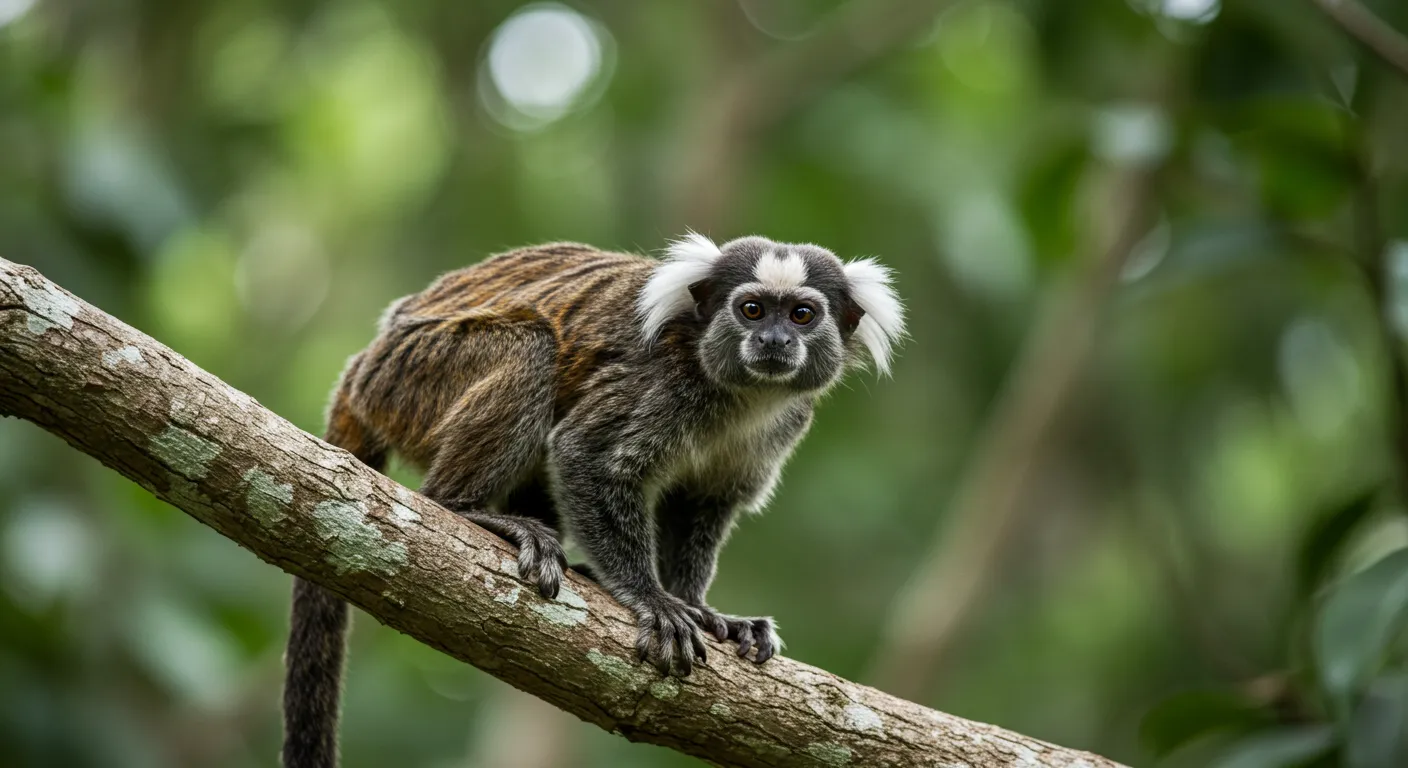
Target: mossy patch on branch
(353, 544)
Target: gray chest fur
(741, 451)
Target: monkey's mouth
(772, 367)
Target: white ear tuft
(666, 295)
(882, 325)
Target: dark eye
(802, 314)
(752, 310)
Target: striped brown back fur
(583, 296)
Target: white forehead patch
(782, 274)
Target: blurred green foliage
(1211, 565)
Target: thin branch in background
(1371, 31)
(969, 552)
(721, 126)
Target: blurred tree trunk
(316, 512)
(970, 550)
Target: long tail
(317, 642)
(317, 647)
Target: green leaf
(1282, 748)
(1190, 715)
(1377, 734)
(1356, 624)
(1325, 539)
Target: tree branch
(1371, 31)
(316, 512)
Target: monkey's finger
(663, 662)
(745, 639)
(698, 643)
(712, 623)
(686, 660)
(707, 620)
(765, 644)
(643, 639)
(536, 572)
(720, 628)
(665, 647)
(549, 583)
(527, 561)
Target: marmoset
(637, 406)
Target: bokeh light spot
(1196, 11)
(367, 125)
(282, 276)
(1186, 11)
(788, 20)
(986, 46)
(12, 10)
(1397, 260)
(48, 552)
(542, 60)
(1132, 133)
(985, 245)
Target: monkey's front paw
(667, 635)
(751, 631)
(541, 560)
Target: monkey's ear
(702, 292)
(671, 289)
(879, 323)
(850, 318)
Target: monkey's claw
(754, 632)
(667, 635)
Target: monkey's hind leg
(495, 436)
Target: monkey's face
(774, 314)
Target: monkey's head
(774, 314)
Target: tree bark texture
(316, 512)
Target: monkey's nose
(773, 339)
